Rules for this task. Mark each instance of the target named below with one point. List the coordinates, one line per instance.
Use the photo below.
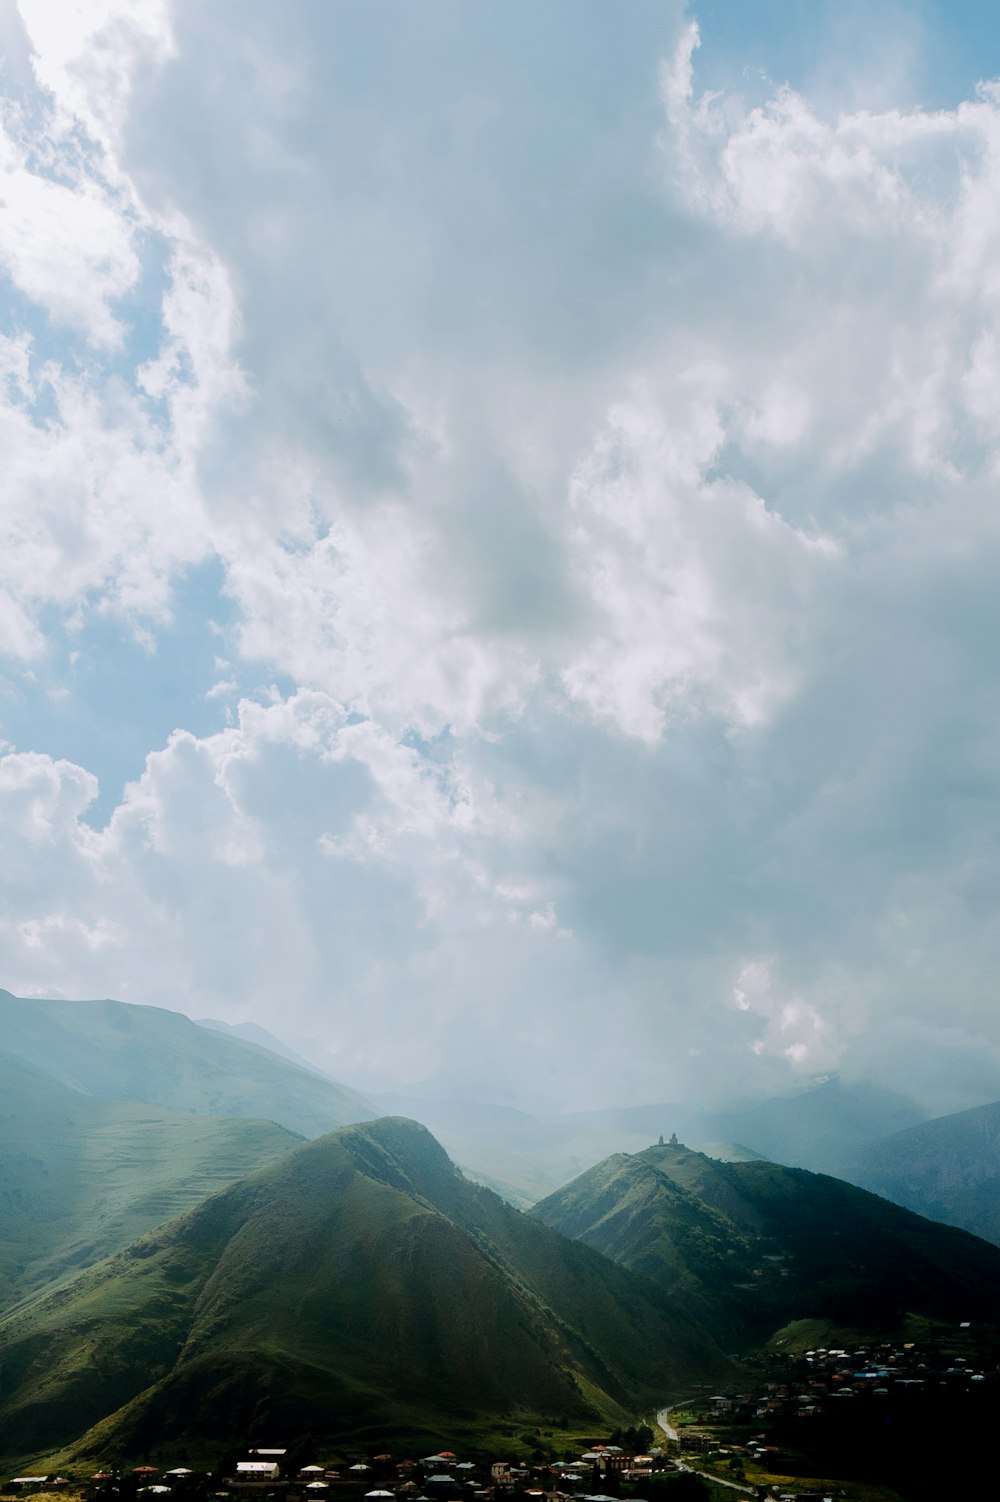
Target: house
(256, 1472)
(615, 1464)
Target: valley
(176, 1282)
(884, 1413)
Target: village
(824, 1403)
(866, 1413)
(597, 1474)
(890, 1377)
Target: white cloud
(67, 246)
(43, 799)
(221, 865)
(98, 502)
(622, 540)
(882, 230)
(87, 53)
(102, 506)
(698, 585)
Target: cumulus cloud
(88, 58)
(697, 585)
(301, 858)
(101, 430)
(601, 468)
(66, 247)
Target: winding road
(663, 1420)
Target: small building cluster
(270, 1472)
(817, 1379)
(837, 1405)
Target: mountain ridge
(947, 1168)
(122, 1051)
(759, 1245)
(360, 1276)
(527, 1157)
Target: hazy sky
(501, 534)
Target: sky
(500, 535)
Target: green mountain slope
(80, 1178)
(359, 1284)
(947, 1169)
(756, 1246)
(127, 1053)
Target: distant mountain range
(526, 1157)
(754, 1248)
(821, 1129)
(114, 1051)
(358, 1285)
(948, 1169)
(261, 1038)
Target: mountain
(525, 1157)
(513, 1152)
(948, 1169)
(251, 1033)
(729, 1152)
(80, 1178)
(754, 1247)
(360, 1284)
(120, 1052)
(822, 1128)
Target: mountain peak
(757, 1245)
(288, 1289)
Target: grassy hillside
(948, 1169)
(80, 1178)
(755, 1246)
(129, 1053)
(359, 1284)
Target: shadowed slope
(755, 1246)
(948, 1169)
(360, 1281)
